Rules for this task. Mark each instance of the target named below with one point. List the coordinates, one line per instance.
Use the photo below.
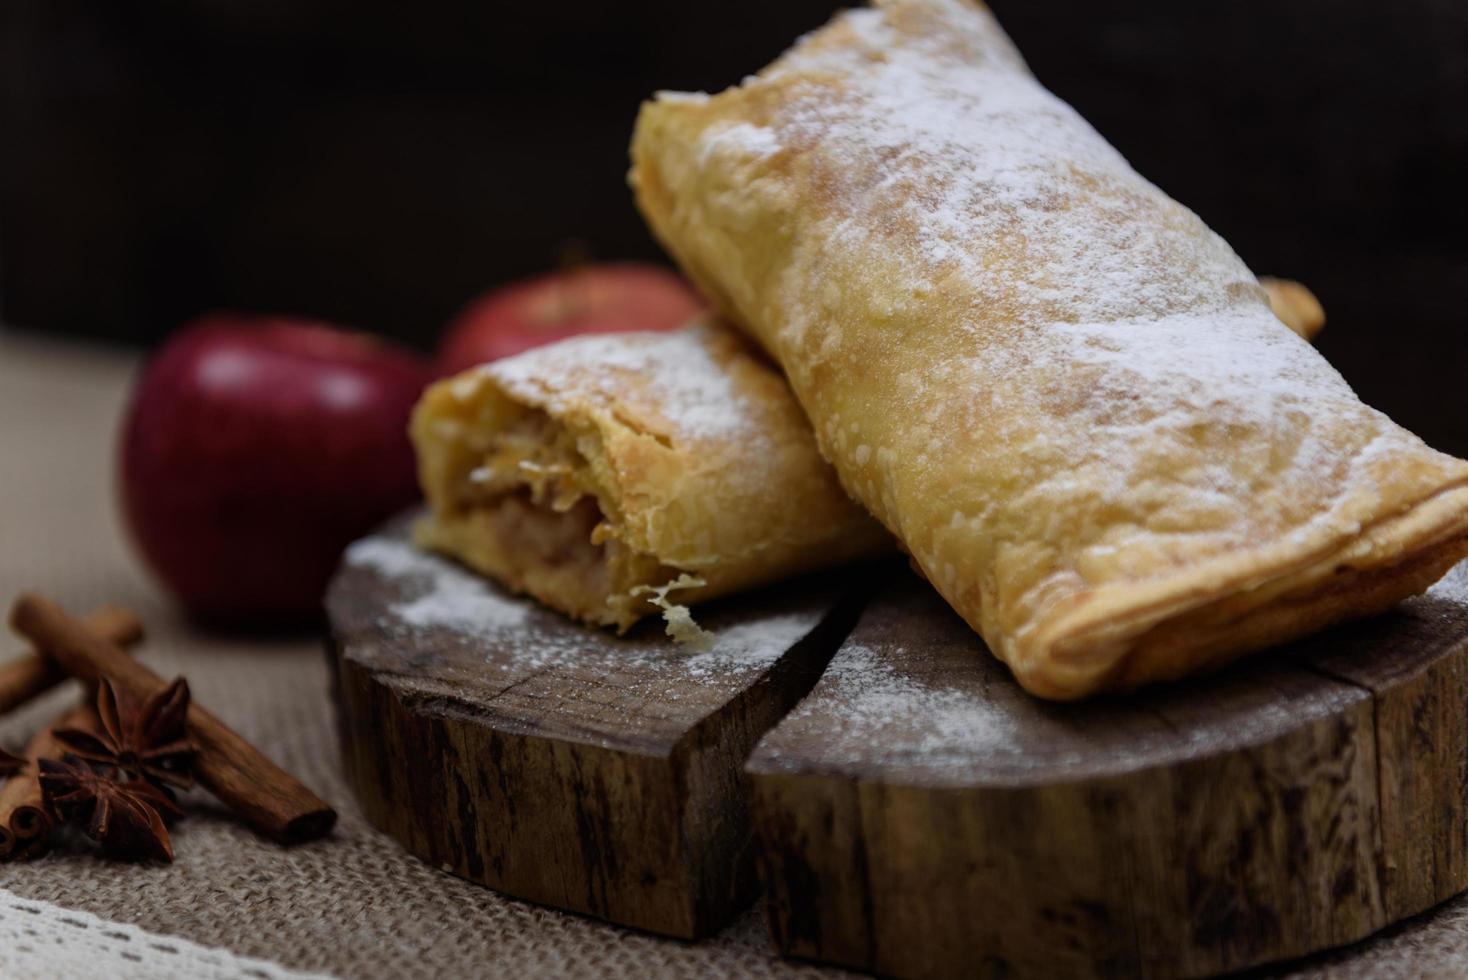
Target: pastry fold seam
(1079, 649)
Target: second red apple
(612, 297)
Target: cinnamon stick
(32, 674)
(266, 796)
(25, 825)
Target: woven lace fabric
(41, 939)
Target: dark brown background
(378, 163)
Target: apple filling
(527, 512)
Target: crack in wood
(602, 801)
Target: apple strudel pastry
(602, 473)
(1063, 393)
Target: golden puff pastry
(599, 473)
(1062, 392)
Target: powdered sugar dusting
(756, 642)
(945, 142)
(751, 139)
(673, 378)
(947, 137)
(446, 596)
(686, 98)
(913, 695)
(907, 715)
(519, 635)
(1452, 586)
(894, 713)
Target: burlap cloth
(354, 905)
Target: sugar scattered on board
(889, 713)
(1452, 586)
(518, 634)
(447, 597)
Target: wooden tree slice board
(919, 815)
(504, 743)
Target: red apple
(255, 449)
(611, 297)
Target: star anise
(146, 741)
(10, 764)
(126, 818)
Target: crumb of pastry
(679, 619)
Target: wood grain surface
(557, 763)
(919, 815)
